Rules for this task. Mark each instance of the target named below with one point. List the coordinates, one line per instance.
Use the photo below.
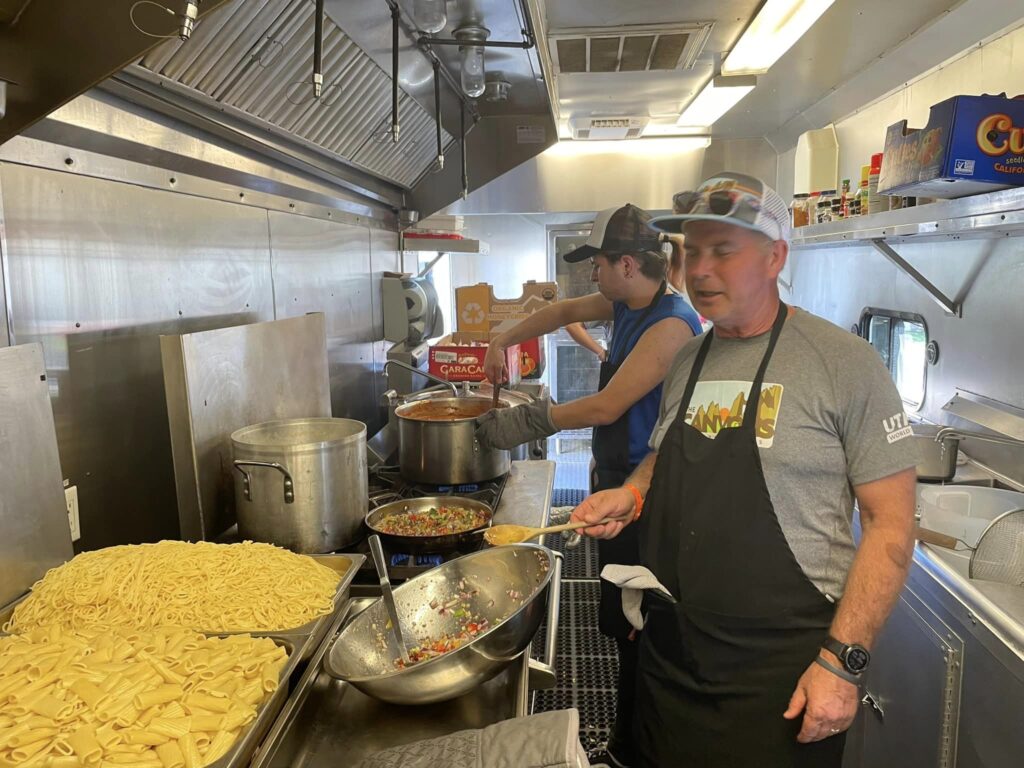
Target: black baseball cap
(618, 230)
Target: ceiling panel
(851, 35)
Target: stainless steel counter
(330, 723)
(998, 606)
(327, 722)
(526, 499)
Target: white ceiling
(859, 50)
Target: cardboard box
(460, 357)
(478, 311)
(971, 144)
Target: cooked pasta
(203, 586)
(75, 716)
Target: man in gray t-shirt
(744, 513)
(829, 419)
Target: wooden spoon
(498, 535)
(497, 391)
(940, 539)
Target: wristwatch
(853, 656)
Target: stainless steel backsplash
(97, 269)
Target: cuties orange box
(971, 144)
(478, 311)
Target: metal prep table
(327, 722)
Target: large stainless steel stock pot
(301, 483)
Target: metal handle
(289, 485)
(389, 599)
(542, 674)
(951, 434)
(869, 700)
(424, 374)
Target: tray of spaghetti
(249, 587)
(152, 698)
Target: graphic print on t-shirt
(718, 405)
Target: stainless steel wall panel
(384, 257)
(980, 352)
(222, 380)
(4, 282)
(325, 267)
(34, 533)
(98, 269)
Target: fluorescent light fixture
(670, 129)
(660, 147)
(775, 29)
(719, 96)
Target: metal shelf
(444, 245)
(996, 214)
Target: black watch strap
(847, 676)
(844, 651)
(835, 646)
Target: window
(901, 339)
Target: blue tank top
(643, 414)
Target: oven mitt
(633, 580)
(547, 740)
(508, 427)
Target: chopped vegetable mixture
(436, 521)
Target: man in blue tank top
(652, 323)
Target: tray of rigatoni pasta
(169, 655)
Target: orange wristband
(637, 497)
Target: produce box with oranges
(478, 311)
(971, 144)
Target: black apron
(717, 669)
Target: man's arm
(617, 502)
(642, 370)
(579, 334)
(875, 580)
(550, 318)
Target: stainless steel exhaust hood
(255, 57)
(52, 51)
(246, 64)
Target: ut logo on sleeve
(897, 427)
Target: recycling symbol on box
(473, 313)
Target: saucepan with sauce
(437, 444)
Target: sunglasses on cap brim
(718, 202)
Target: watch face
(857, 659)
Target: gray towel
(633, 580)
(547, 740)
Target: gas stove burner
(426, 560)
(387, 484)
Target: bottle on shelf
(876, 202)
(798, 210)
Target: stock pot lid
(297, 434)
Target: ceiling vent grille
(628, 49)
(607, 128)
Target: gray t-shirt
(830, 418)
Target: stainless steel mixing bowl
(511, 586)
